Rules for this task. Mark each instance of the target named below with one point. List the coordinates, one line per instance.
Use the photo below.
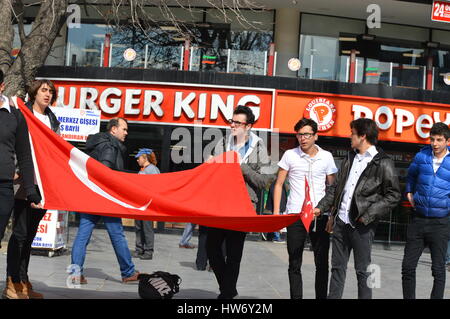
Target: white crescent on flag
(77, 164)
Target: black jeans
(25, 225)
(344, 239)
(225, 269)
(6, 205)
(320, 240)
(202, 258)
(145, 236)
(433, 232)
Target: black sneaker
(136, 254)
(146, 256)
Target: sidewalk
(263, 271)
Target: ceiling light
(348, 39)
(368, 37)
(430, 44)
(412, 55)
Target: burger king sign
(322, 111)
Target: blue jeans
(187, 234)
(116, 235)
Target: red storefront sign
(440, 11)
(398, 120)
(173, 104)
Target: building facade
(333, 61)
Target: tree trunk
(7, 32)
(36, 47)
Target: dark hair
(241, 109)
(306, 122)
(367, 127)
(440, 128)
(36, 85)
(114, 122)
(2, 76)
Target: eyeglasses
(237, 123)
(307, 136)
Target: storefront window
(442, 70)
(85, 45)
(221, 43)
(321, 60)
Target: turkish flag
(213, 194)
(307, 214)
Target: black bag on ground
(158, 285)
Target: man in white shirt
(366, 188)
(307, 161)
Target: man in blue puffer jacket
(428, 191)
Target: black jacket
(54, 123)
(14, 142)
(377, 191)
(106, 149)
(21, 191)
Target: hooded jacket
(431, 190)
(377, 191)
(106, 149)
(253, 164)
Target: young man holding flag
(310, 169)
(366, 189)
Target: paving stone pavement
(263, 273)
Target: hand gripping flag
(307, 214)
(213, 194)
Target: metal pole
(146, 56)
(228, 60)
(265, 63)
(68, 54)
(181, 57)
(110, 55)
(425, 71)
(101, 54)
(347, 69)
(390, 74)
(275, 63)
(190, 58)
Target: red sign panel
(441, 11)
(181, 104)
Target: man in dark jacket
(14, 142)
(428, 191)
(366, 188)
(109, 150)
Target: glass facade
(218, 44)
(393, 55)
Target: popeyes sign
(180, 104)
(397, 120)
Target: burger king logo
(322, 111)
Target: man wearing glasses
(253, 157)
(308, 161)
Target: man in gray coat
(252, 157)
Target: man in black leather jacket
(109, 150)
(366, 188)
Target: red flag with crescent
(307, 214)
(213, 194)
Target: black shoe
(146, 256)
(223, 296)
(136, 254)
